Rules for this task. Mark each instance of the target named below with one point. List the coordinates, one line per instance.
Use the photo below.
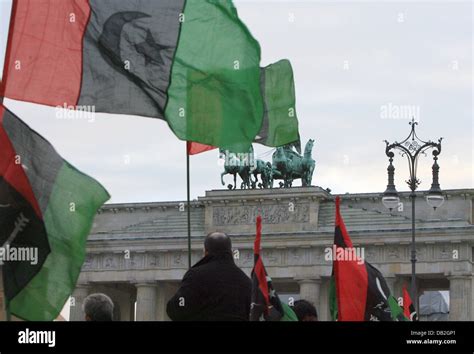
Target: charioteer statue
(287, 165)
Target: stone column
(310, 290)
(323, 310)
(161, 302)
(146, 301)
(460, 298)
(123, 298)
(76, 312)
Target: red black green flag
(266, 305)
(47, 208)
(192, 63)
(408, 307)
(359, 290)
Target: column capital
(83, 285)
(309, 280)
(460, 276)
(146, 284)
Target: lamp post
(412, 147)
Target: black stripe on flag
(128, 52)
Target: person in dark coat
(214, 289)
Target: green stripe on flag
(214, 96)
(288, 314)
(72, 206)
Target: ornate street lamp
(412, 147)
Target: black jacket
(214, 289)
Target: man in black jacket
(214, 289)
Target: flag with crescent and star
(192, 63)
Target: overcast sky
(352, 60)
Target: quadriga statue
(287, 165)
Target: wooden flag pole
(188, 206)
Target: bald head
(217, 243)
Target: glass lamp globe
(435, 200)
(390, 202)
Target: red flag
(196, 148)
(408, 308)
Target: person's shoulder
(190, 274)
(242, 274)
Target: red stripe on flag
(258, 236)
(406, 303)
(44, 53)
(259, 267)
(351, 279)
(196, 148)
(13, 172)
(6, 64)
(262, 280)
(342, 226)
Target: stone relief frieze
(297, 256)
(271, 214)
(286, 256)
(371, 254)
(136, 261)
(153, 260)
(178, 259)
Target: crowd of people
(214, 289)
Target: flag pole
(188, 207)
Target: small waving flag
(408, 307)
(266, 305)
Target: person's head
(305, 311)
(98, 307)
(217, 243)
